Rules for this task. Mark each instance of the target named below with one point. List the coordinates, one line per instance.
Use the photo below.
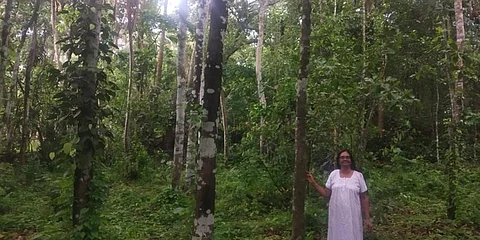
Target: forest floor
(147, 208)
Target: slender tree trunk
(197, 76)
(160, 52)
(205, 198)
(131, 12)
(301, 158)
(4, 57)
(224, 124)
(56, 51)
(87, 120)
(456, 96)
(116, 8)
(178, 153)
(258, 63)
(16, 68)
(32, 54)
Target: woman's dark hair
(353, 165)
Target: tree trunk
(205, 199)
(192, 146)
(32, 54)
(87, 119)
(178, 153)
(116, 8)
(258, 63)
(224, 124)
(4, 57)
(160, 52)
(131, 14)
(299, 184)
(56, 50)
(16, 68)
(456, 97)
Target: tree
(178, 152)
(456, 99)
(31, 58)
(4, 53)
(205, 196)
(192, 145)
(56, 50)
(161, 49)
(258, 61)
(87, 119)
(299, 185)
(131, 15)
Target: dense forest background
(113, 125)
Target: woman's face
(345, 159)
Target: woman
(347, 190)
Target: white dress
(344, 211)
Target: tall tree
(161, 48)
(205, 197)
(32, 55)
(456, 97)
(4, 54)
(87, 118)
(53, 19)
(258, 61)
(15, 79)
(299, 184)
(131, 16)
(178, 152)
(192, 145)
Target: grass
(147, 208)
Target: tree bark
(299, 184)
(456, 97)
(258, 63)
(56, 50)
(178, 153)
(192, 146)
(87, 119)
(32, 54)
(205, 198)
(225, 125)
(16, 68)
(160, 51)
(131, 14)
(4, 57)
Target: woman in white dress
(347, 190)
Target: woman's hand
(310, 178)
(368, 224)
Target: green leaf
(67, 148)
(51, 155)
(178, 210)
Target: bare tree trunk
(88, 117)
(116, 8)
(178, 153)
(301, 156)
(32, 21)
(4, 57)
(225, 126)
(32, 54)
(56, 50)
(160, 51)
(258, 63)
(131, 12)
(205, 197)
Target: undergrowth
(408, 202)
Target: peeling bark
(205, 197)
